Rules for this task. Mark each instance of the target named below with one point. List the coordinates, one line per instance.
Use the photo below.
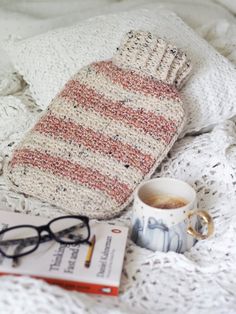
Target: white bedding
(200, 281)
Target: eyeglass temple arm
(24, 243)
(27, 242)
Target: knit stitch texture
(106, 131)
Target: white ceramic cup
(166, 230)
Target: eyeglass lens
(69, 230)
(20, 240)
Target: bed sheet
(151, 282)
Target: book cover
(87, 268)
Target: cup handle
(206, 219)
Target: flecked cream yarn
(106, 131)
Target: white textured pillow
(47, 61)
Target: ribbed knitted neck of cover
(151, 56)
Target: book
(94, 268)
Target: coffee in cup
(163, 221)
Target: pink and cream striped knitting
(106, 131)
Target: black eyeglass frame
(48, 237)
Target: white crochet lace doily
(202, 280)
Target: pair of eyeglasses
(18, 241)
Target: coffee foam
(165, 201)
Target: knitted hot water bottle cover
(106, 131)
